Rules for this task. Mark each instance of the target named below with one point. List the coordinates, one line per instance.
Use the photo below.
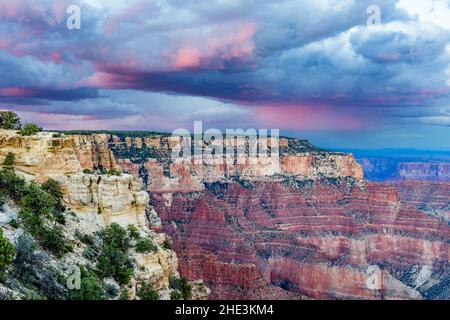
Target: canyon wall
(312, 228)
(398, 169)
(428, 196)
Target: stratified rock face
(312, 228)
(391, 169)
(423, 171)
(150, 158)
(40, 156)
(312, 238)
(93, 151)
(427, 196)
(117, 199)
(43, 156)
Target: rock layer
(317, 240)
(430, 197)
(312, 229)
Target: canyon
(310, 229)
(302, 225)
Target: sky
(314, 69)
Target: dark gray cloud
(239, 52)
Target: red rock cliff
(313, 229)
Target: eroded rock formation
(312, 229)
(79, 163)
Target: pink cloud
(307, 117)
(186, 58)
(15, 92)
(217, 48)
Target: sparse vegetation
(181, 287)
(53, 188)
(145, 245)
(13, 224)
(146, 292)
(40, 211)
(133, 232)
(85, 238)
(8, 163)
(12, 185)
(114, 172)
(7, 253)
(176, 295)
(30, 129)
(91, 287)
(167, 245)
(113, 260)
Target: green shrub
(87, 171)
(57, 135)
(176, 295)
(133, 232)
(13, 224)
(182, 285)
(91, 287)
(115, 236)
(125, 295)
(114, 263)
(51, 239)
(167, 245)
(30, 129)
(114, 172)
(9, 161)
(38, 200)
(12, 185)
(54, 241)
(146, 292)
(113, 259)
(85, 238)
(53, 188)
(59, 217)
(32, 222)
(7, 252)
(145, 245)
(9, 120)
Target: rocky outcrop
(117, 199)
(48, 155)
(40, 156)
(78, 162)
(93, 151)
